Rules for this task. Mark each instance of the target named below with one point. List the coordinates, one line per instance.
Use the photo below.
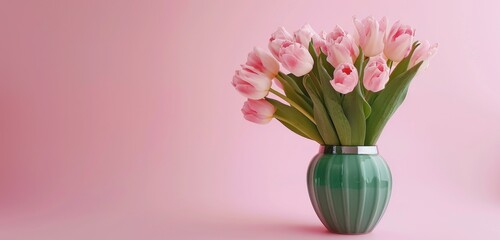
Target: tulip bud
(258, 111)
(304, 35)
(398, 42)
(376, 74)
(423, 52)
(277, 39)
(319, 42)
(251, 83)
(263, 62)
(345, 78)
(340, 47)
(370, 35)
(296, 58)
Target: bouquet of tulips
(339, 89)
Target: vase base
(345, 233)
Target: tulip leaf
(312, 51)
(325, 79)
(356, 108)
(387, 102)
(323, 73)
(328, 67)
(298, 83)
(321, 116)
(295, 121)
(291, 82)
(314, 71)
(355, 112)
(314, 55)
(316, 84)
(292, 93)
(360, 65)
(333, 105)
(294, 129)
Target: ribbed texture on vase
(349, 192)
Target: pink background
(118, 121)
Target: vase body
(349, 188)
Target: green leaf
(316, 84)
(291, 82)
(355, 113)
(323, 121)
(312, 51)
(324, 75)
(329, 68)
(360, 65)
(314, 55)
(298, 83)
(294, 94)
(325, 79)
(295, 121)
(332, 101)
(387, 102)
(294, 129)
(356, 108)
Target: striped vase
(349, 187)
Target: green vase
(349, 187)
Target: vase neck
(355, 150)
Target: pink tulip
(263, 62)
(340, 47)
(277, 39)
(370, 35)
(304, 35)
(331, 36)
(258, 111)
(295, 58)
(345, 78)
(251, 83)
(423, 52)
(376, 74)
(319, 42)
(398, 42)
(336, 33)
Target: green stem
(293, 104)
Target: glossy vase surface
(349, 187)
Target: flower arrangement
(340, 89)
